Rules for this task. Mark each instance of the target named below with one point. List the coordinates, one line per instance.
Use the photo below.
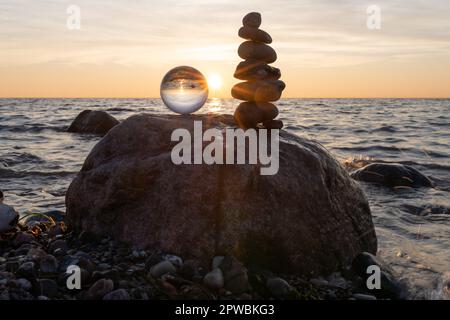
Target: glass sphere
(184, 90)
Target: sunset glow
(123, 48)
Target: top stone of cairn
(252, 19)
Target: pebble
(214, 279)
(119, 294)
(256, 70)
(319, 282)
(58, 244)
(24, 284)
(280, 288)
(175, 260)
(257, 51)
(252, 19)
(261, 91)
(8, 218)
(360, 296)
(27, 270)
(22, 238)
(248, 115)
(216, 261)
(99, 289)
(190, 269)
(235, 275)
(254, 34)
(162, 268)
(48, 264)
(36, 253)
(48, 287)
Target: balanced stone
(257, 51)
(252, 19)
(256, 70)
(262, 90)
(249, 114)
(254, 34)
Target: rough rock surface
(309, 217)
(96, 122)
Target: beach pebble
(336, 280)
(190, 268)
(175, 260)
(119, 294)
(48, 287)
(214, 279)
(252, 19)
(257, 51)
(8, 218)
(216, 261)
(36, 253)
(162, 268)
(319, 282)
(279, 288)
(99, 289)
(24, 284)
(48, 264)
(22, 238)
(58, 244)
(254, 34)
(235, 275)
(360, 296)
(27, 270)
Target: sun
(214, 81)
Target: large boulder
(310, 217)
(392, 175)
(95, 122)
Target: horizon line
(231, 98)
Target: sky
(124, 48)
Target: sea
(39, 159)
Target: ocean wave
(32, 129)
(9, 173)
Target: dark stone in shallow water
(310, 217)
(95, 122)
(392, 175)
(390, 287)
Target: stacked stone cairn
(262, 85)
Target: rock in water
(95, 122)
(8, 218)
(392, 175)
(309, 217)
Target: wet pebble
(162, 268)
(214, 279)
(119, 294)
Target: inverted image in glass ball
(184, 90)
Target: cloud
(321, 33)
